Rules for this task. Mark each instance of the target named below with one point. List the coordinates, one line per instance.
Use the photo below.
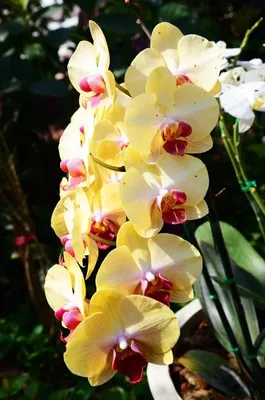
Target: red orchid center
(181, 79)
(104, 229)
(171, 207)
(173, 134)
(93, 83)
(157, 288)
(129, 361)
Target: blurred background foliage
(36, 103)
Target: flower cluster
(127, 155)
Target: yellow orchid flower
(163, 267)
(82, 219)
(65, 292)
(173, 195)
(88, 70)
(109, 139)
(121, 334)
(169, 119)
(190, 58)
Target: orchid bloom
(83, 218)
(109, 139)
(190, 58)
(88, 70)
(74, 149)
(163, 267)
(227, 53)
(65, 292)
(170, 119)
(241, 102)
(121, 334)
(173, 195)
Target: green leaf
(215, 269)
(251, 273)
(16, 384)
(49, 87)
(115, 393)
(216, 371)
(3, 394)
(32, 390)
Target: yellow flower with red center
(174, 194)
(190, 58)
(65, 292)
(163, 267)
(121, 334)
(88, 70)
(88, 221)
(169, 119)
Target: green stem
(108, 166)
(222, 251)
(230, 149)
(245, 39)
(259, 340)
(122, 89)
(239, 160)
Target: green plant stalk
(240, 163)
(215, 298)
(222, 251)
(245, 39)
(238, 171)
(259, 340)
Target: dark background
(36, 103)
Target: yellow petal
(101, 46)
(181, 296)
(186, 174)
(197, 211)
(132, 158)
(58, 222)
(108, 302)
(82, 63)
(92, 255)
(217, 89)
(164, 39)
(175, 259)
(111, 203)
(156, 224)
(88, 349)
(135, 191)
(137, 245)
(105, 374)
(79, 283)
(197, 108)
(58, 287)
(119, 271)
(200, 60)
(162, 83)
(143, 64)
(159, 359)
(141, 125)
(200, 146)
(150, 323)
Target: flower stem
(108, 166)
(245, 39)
(122, 89)
(231, 148)
(139, 20)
